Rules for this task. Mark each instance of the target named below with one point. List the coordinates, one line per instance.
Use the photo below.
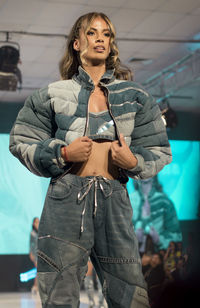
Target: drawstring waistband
(85, 190)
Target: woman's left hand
(122, 155)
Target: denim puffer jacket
(56, 115)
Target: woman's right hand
(78, 151)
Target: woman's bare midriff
(99, 162)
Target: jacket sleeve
(149, 141)
(32, 137)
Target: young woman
(89, 132)
(33, 249)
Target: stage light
(10, 74)
(24, 277)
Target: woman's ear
(76, 45)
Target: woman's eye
(90, 32)
(107, 34)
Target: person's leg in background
(90, 289)
(89, 285)
(100, 295)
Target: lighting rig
(10, 75)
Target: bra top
(101, 126)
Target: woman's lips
(99, 48)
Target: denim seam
(118, 260)
(48, 260)
(59, 239)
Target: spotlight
(10, 74)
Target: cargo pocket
(140, 298)
(63, 210)
(60, 190)
(49, 259)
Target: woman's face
(36, 223)
(155, 260)
(172, 246)
(97, 44)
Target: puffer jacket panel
(68, 102)
(55, 116)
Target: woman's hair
(72, 59)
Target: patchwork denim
(82, 217)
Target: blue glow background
(22, 193)
(181, 179)
(22, 196)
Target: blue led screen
(180, 180)
(21, 199)
(22, 193)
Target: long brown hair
(71, 59)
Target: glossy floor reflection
(27, 300)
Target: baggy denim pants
(82, 217)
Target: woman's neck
(95, 72)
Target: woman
(155, 277)
(154, 215)
(89, 132)
(170, 256)
(33, 249)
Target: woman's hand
(77, 151)
(122, 155)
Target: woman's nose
(99, 38)
(99, 41)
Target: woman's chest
(97, 100)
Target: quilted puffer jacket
(58, 114)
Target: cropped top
(101, 126)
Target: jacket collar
(84, 78)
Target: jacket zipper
(122, 175)
(111, 114)
(87, 116)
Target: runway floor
(27, 300)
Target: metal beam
(152, 40)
